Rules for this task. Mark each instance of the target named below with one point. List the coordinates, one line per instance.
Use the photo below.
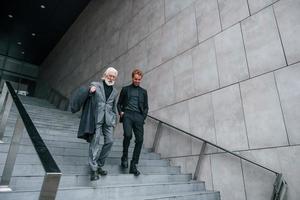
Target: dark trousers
(133, 122)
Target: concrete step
(37, 169)
(62, 151)
(21, 183)
(112, 154)
(46, 131)
(62, 137)
(43, 110)
(112, 192)
(75, 143)
(201, 195)
(34, 101)
(40, 112)
(82, 160)
(49, 118)
(48, 124)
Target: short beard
(109, 83)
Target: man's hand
(121, 114)
(92, 89)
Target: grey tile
(232, 11)
(202, 117)
(231, 58)
(208, 20)
(180, 121)
(205, 67)
(229, 118)
(258, 181)
(160, 85)
(288, 15)
(227, 177)
(183, 76)
(179, 34)
(137, 58)
(154, 49)
(169, 40)
(262, 42)
(290, 164)
(173, 7)
(288, 83)
(256, 5)
(263, 114)
(146, 21)
(137, 5)
(186, 30)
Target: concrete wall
(224, 70)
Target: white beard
(109, 83)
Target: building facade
(227, 71)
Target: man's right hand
(92, 89)
(121, 114)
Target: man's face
(136, 80)
(110, 79)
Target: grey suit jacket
(105, 108)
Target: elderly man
(133, 109)
(105, 96)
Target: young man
(133, 109)
(105, 121)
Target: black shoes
(124, 162)
(133, 170)
(101, 172)
(94, 176)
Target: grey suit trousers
(97, 152)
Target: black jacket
(82, 98)
(124, 97)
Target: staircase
(58, 129)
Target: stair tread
(181, 194)
(119, 186)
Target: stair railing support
(200, 158)
(280, 188)
(157, 137)
(50, 186)
(11, 156)
(5, 115)
(3, 95)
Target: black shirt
(108, 89)
(133, 99)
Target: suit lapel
(101, 86)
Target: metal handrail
(280, 185)
(53, 173)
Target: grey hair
(110, 70)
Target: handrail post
(200, 158)
(50, 186)
(157, 137)
(5, 116)
(280, 188)
(3, 95)
(12, 155)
